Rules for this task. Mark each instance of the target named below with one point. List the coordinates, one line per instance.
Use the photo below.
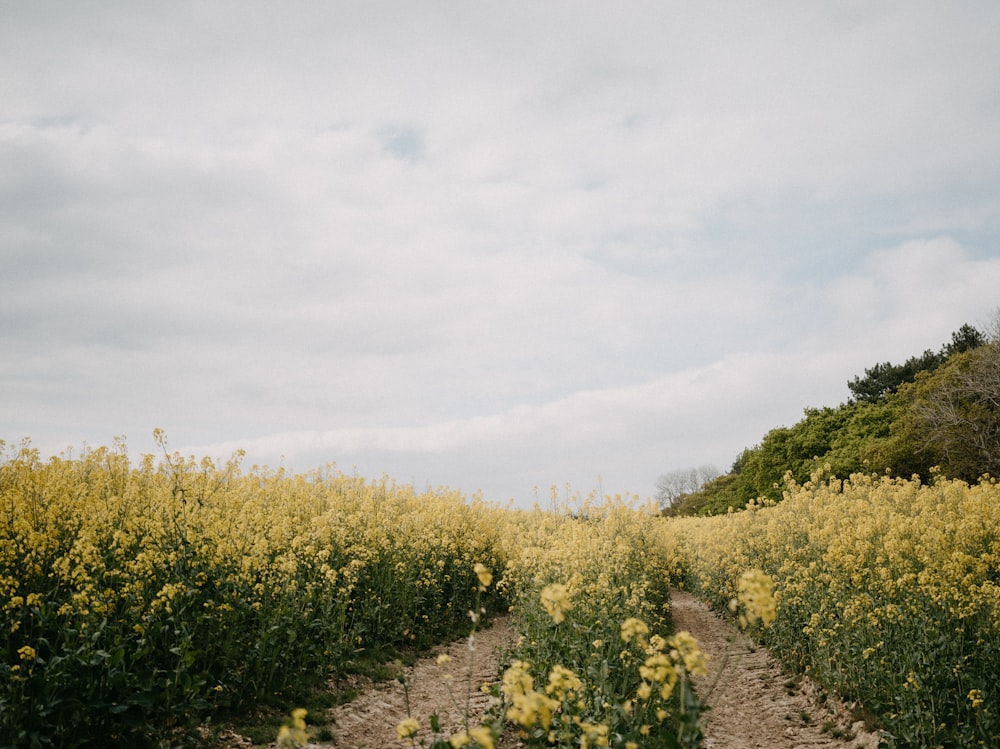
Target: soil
(754, 703)
(370, 721)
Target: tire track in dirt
(754, 703)
(370, 720)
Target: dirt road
(754, 704)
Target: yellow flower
(686, 650)
(555, 599)
(527, 707)
(460, 739)
(644, 691)
(443, 659)
(517, 679)
(656, 668)
(756, 593)
(563, 683)
(482, 736)
(975, 697)
(27, 653)
(594, 734)
(632, 628)
(532, 708)
(484, 575)
(294, 736)
(407, 728)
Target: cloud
(483, 245)
(703, 413)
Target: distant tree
(886, 378)
(940, 408)
(889, 443)
(672, 486)
(716, 497)
(964, 339)
(955, 413)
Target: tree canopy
(939, 411)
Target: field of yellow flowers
(888, 591)
(139, 598)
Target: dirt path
(755, 704)
(370, 720)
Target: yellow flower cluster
(294, 736)
(408, 728)
(528, 707)
(685, 649)
(633, 628)
(563, 683)
(480, 735)
(198, 575)
(755, 592)
(484, 575)
(884, 589)
(555, 599)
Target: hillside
(936, 413)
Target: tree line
(938, 412)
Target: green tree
(886, 378)
(964, 339)
(938, 408)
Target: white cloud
(532, 243)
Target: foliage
(939, 410)
(596, 665)
(955, 413)
(135, 597)
(886, 378)
(715, 497)
(888, 592)
(673, 487)
(137, 600)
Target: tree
(886, 378)
(673, 486)
(964, 339)
(956, 413)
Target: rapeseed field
(141, 598)
(887, 591)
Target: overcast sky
(491, 246)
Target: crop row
(139, 599)
(888, 593)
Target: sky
(496, 247)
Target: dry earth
(754, 703)
(370, 720)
